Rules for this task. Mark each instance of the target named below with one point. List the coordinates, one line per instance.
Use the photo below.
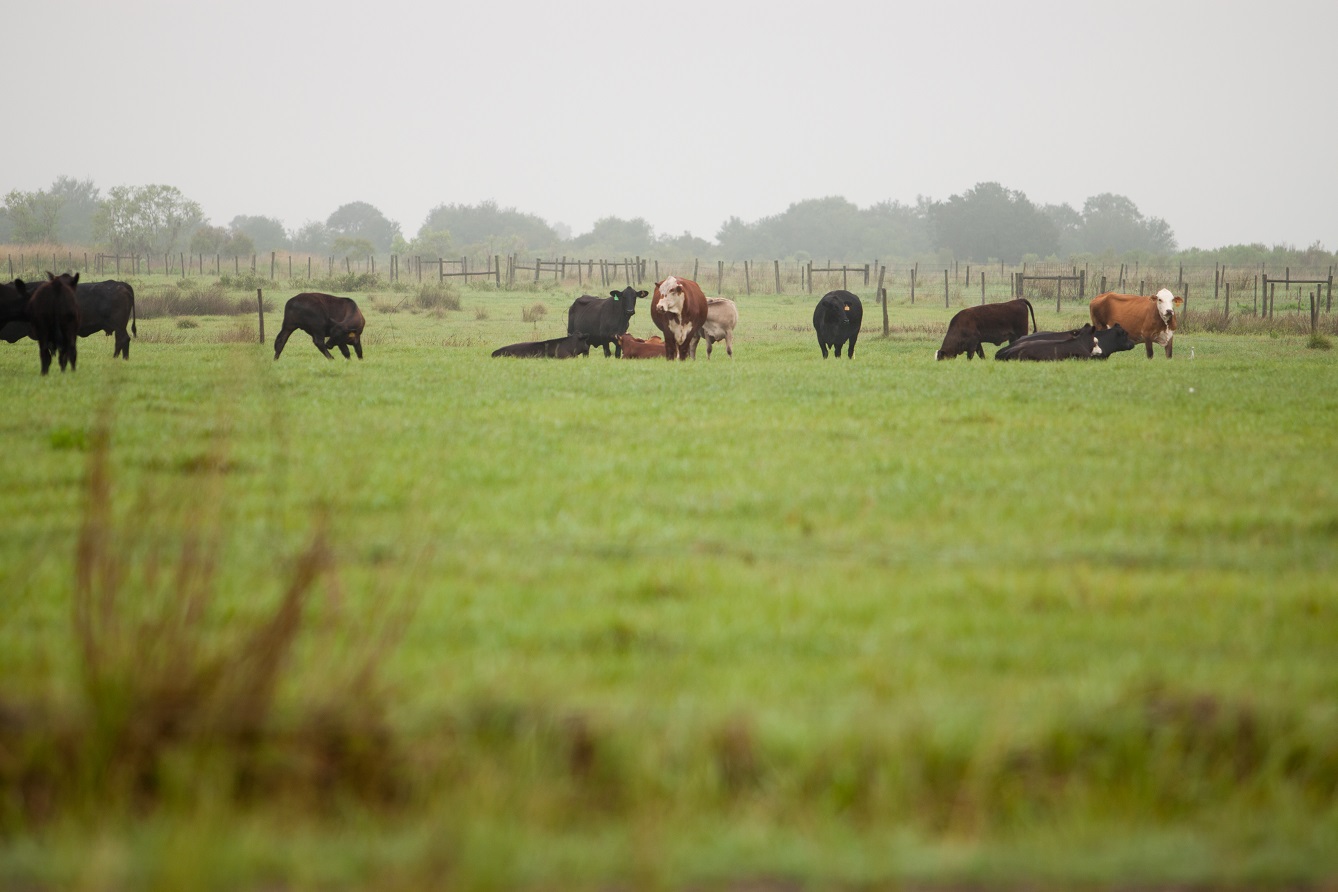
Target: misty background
(846, 131)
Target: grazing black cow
(54, 313)
(837, 318)
(107, 307)
(1079, 343)
(601, 319)
(331, 321)
(553, 348)
(986, 324)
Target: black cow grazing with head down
(331, 321)
(837, 319)
(107, 307)
(986, 324)
(553, 348)
(601, 319)
(1079, 343)
(53, 311)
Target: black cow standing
(53, 311)
(837, 319)
(331, 321)
(14, 306)
(600, 320)
(107, 307)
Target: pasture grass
(772, 621)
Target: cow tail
(1033, 315)
(135, 331)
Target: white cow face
(671, 296)
(1166, 303)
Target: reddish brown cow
(679, 310)
(1148, 320)
(636, 348)
(986, 324)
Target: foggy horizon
(690, 116)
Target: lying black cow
(107, 307)
(331, 321)
(600, 320)
(837, 319)
(1079, 343)
(53, 311)
(553, 348)
(986, 324)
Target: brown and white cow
(679, 310)
(1148, 320)
(636, 348)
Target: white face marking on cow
(1166, 302)
(1096, 349)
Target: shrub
(480, 313)
(439, 296)
(533, 313)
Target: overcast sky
(686, 113)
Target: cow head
(671, 297)
(1166, 304)
(627, 298)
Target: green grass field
(769, 622)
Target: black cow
(14, 306)
(53, 311)
(837, 318)
(103, 307)
(553, 348)
(986, 324)
(1079, 343)
(601, 319)
(331, 321)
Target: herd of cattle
(57, 312)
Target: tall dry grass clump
(174, 699)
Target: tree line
(987, 222)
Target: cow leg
(1168, 348)
(729, 343)
(823, 345)
(122, 348)
(850, 348)
(1148, 345)
(608, 352)
(357, 347)
(281, 339)
(335, 342)
(321, 347)
(44, 352)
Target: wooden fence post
(883, 294)
(982, 288)
(260, 311)
(747, 280)
(945, 290)
(720, 276)
(914, 269)
(810, 277)
(778, 288)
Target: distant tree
(1068, 224)
(434, 243)
(991, 222)
(34, 215)
(266, 233)
(208, 240)
(360, 220)
(218, 240)
(312, 238)
(613, 235)
(893, 229)
(831, 228)
(489, 228)
(79, 203)
(344, 246)
(6, 227)
(687, 245)
(146, 219)
(1112, 223)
